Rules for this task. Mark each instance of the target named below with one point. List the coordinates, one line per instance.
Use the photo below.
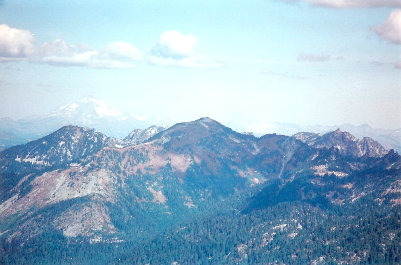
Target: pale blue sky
(235, 61)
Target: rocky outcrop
(344, 142)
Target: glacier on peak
(89, 107)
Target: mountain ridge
(345, 142)
(111, 191)
(108, 119)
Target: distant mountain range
(390, 139)
(197, 193)
(94, 113)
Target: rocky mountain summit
(138, 136)
(69, 143)
(346, 143)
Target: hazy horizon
(258, 127)
(298, 62)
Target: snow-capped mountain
(95, 113)
(89, 108)
(87, 112)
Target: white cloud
(15, 43)
(19, 45)
(353, 3)
(177, 49)
(114, 55)
(122, 51)
(173, 44)
(391, 28)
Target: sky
(240, 62)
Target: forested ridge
(199, 193)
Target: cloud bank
(172, 49)
(19, 45)
(114, 55)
